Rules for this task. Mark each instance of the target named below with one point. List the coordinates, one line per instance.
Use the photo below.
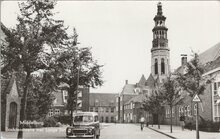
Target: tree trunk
(71, 115)
(71, 95)
(158, 121)
(23, 106)
(171, 119)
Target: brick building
(60, 102)
(209, 108)
(104, 105)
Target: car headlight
(68, 130)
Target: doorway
(12, 115)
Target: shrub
(208, 126)
(63, 119)
(50, 122)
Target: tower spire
(160, 60)
(159, 8)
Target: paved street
(108, 131)
(129, 131)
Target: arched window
(156, 66)
(195, 109)
(189, 110)
(162, 66)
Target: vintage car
(85, 125)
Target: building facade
(209, 108)
(59, 106)
(104, 105)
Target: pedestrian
(142, 122)
(182, 121)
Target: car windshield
(83, 118)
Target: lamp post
(77, 86)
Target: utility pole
(77, 87)
(197, 120)
(197, 100)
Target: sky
(120, 33)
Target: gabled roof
(6, 84)
(139, 98)
(207, 58)
(128, 89)
(150, 81)
(210, 55)
(102, 99)
(142, 80)
(212, 65)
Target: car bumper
(79, 136)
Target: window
(79, 102)
(162, 66)
(65, 96)
(216, 87)
(181, 111)
(106, 109)
(168, 113)
(173, 111)
(57, 111)
(189, 110)
(50, 112)
(102, 119)
(217, 110)
(156, 67)
(96, 109)
(79, 94)
(91, 109)
(112, 109)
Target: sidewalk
(185, 134)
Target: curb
(162, 133)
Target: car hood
(83, 124)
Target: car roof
(85, 113)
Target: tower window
(162, 66)
(156, 66)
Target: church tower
(160, 55)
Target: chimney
(126, 81)
(183, 59)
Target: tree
(40, 97)
(193, 82)
(170, 91)
(154, 104)
(75, 66)
(36, 29)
